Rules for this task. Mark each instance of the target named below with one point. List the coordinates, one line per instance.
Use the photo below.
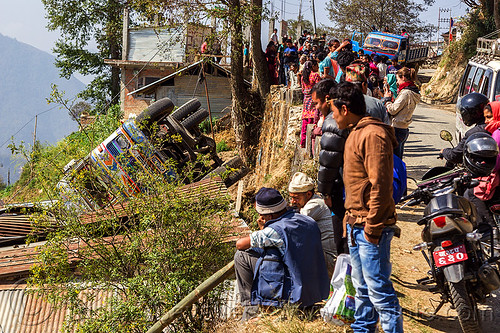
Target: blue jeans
(375, 296)
(401, 135)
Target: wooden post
(239, 197)
(34, 142)
(193, 296)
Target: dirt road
(421, 151)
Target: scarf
(495, 122)
(405, 85)
(393, 87)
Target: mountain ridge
(27, 74)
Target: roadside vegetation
(121, 269)
(45, 163)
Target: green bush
(168, 243)
(222, 146)
(48, 161)
(205, 125)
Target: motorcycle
(462, 270)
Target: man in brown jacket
(370, 216)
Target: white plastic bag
(339, 308)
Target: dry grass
(286, 320)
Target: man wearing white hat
(302, 196)
(282, 262)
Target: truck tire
(230, 177)
(186, 109)
(195, 119)
(466, 309)
(155, 111)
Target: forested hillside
(26, 77)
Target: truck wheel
(466, 308)
(230, 177)
(186, 109)
(195, 119)
(155, 111)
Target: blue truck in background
(390, 45)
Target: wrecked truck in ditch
(158, 141)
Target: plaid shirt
(267, 237)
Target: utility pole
(314, 16)
(33, 148)
(299, 21)
(442, 20)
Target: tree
(293, 26)
(363, 15)
(80, 24)
(259, 62)
(489, 8)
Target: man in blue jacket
(282, 262)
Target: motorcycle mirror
(446, 136)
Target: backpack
(399, 179)
(335, 66)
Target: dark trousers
(484, 214)
(244, 266)
(401, 135)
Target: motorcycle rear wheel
(467, 310)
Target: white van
(481, 75)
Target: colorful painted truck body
(111, 170)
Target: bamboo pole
(193, 296)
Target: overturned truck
(158, 142)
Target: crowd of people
(311, 59)
(361, 106)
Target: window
(497, 89)
(477, 79)
(144, 81)
(373, 41)
(390, 45)
(485, 83)
(469, 74)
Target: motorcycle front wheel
(467, 310)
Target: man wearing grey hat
(282, 262)
(302, 196)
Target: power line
(26, 124)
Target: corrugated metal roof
(157, 45)
(23, 312)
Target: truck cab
(391, 45)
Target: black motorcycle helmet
(471, 108)
(480, 154)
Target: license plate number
(450, 256)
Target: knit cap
(300, 183)
(269, 201)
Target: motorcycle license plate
(450, 256)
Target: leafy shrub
(222, 146)
(205, 125)
(147, 258)
(48, 161)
